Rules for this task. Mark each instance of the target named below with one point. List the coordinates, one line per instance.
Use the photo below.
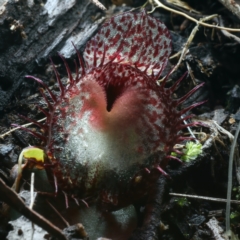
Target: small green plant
(182, 202)
(191, 151)
(236, 191)
(235, 217)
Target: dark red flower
(113, 124)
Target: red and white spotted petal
(114, 139)
(130, 38)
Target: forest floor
(32, 32)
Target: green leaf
(234, 215)
(182, 201)
(191, 151)
(33, 153)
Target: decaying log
(31, 32)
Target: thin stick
(32, 191)
(32, 200)
(190, 72)
(160, 5)
(229, 190)
(190, 131)
(227, 34)
(58, 213)
(16, 128)
(203, 198)
(98, 4)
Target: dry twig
(59, 214)
(16, 128)
(228, 34)
(160, 5)
(32, 200)
(98, 4)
